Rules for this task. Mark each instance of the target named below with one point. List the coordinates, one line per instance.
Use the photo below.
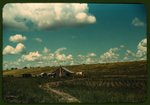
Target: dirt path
(62, 96)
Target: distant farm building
(8, 75)
(27, 75)
(43, 75)
(52, 75)
(79, 73)
(62, 72)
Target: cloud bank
(46, 15)
(59, 57)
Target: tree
(12, 68)
(25, 67)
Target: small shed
(62, 72)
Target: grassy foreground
(102, 83)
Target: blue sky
(70, 34)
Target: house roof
(67, 70)
(64, 69)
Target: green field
(101, 83)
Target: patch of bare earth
(62, 96)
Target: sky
(53, 34)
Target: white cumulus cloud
(46, 15)
(129, 55)
(38, 39)
(17, 38)
(32, 56)
(90, 58)
(137, 22)
(142, 48)
(110, 56)
(58, 55)
(62, 57)
(139, 54)
(46, 50)
(59, 50)
(11, 50)
(91, 55)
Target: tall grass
(26, 90)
